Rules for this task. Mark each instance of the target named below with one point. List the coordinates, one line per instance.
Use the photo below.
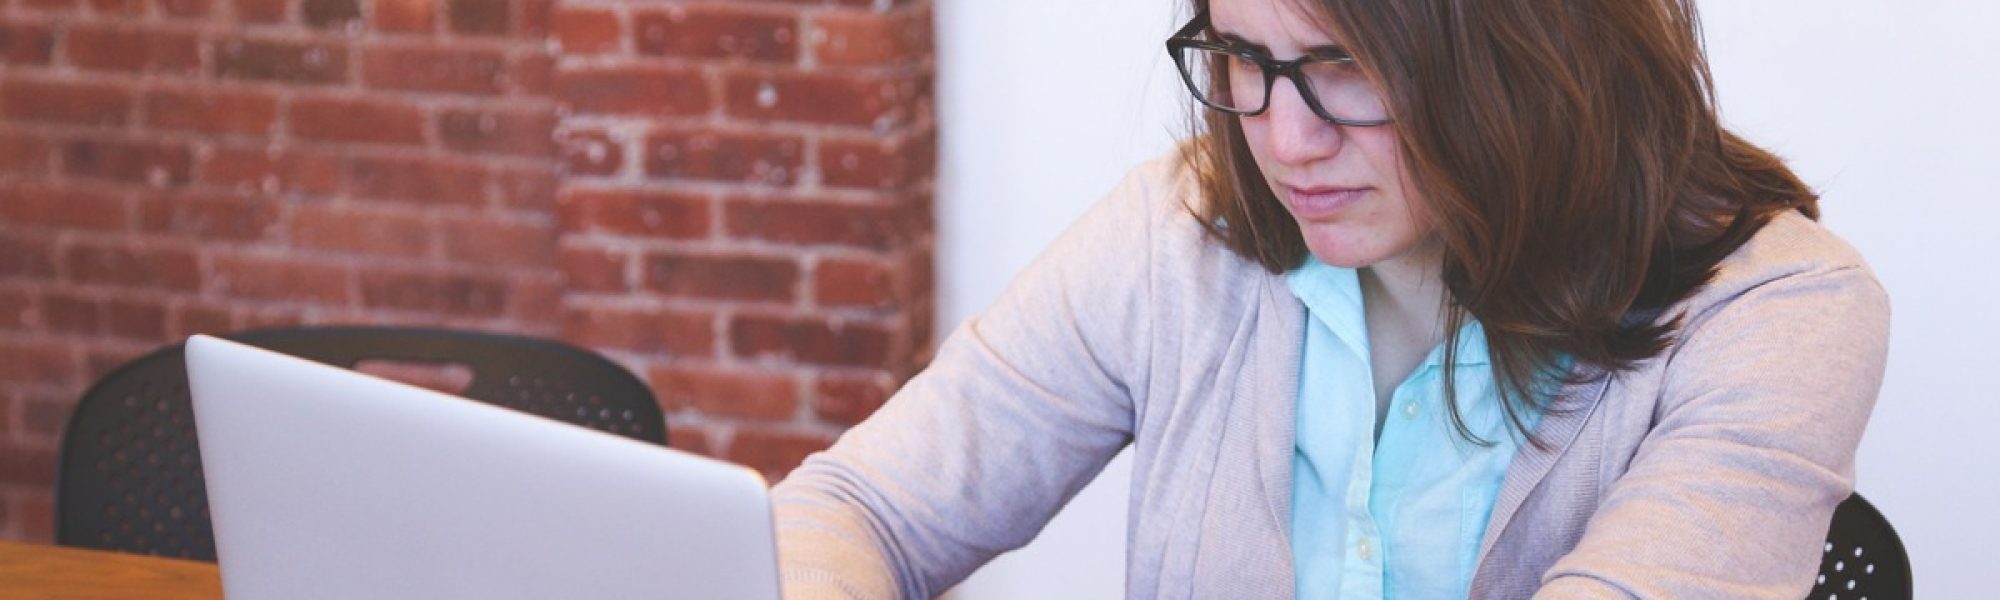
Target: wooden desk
(54, 572)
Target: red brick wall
(747, 213)
(730, 197)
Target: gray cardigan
(1710, 471)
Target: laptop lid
(327, 483)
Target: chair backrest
(130, 474)
(1862, 558)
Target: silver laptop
(327, 483)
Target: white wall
(1889, 109)
(1892, 110)
(1043, 105)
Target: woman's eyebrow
(1323, 50)
(1237, 40)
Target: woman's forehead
(1279, 25)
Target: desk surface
(43, 571)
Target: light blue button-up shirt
(1402, 516)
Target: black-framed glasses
(1238, 80)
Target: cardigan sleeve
(1730, 492)
(1021, 407)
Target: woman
(1446, 298)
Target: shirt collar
(1332, 296)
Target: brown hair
(1570, 154)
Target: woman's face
(1344, 185)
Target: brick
(461, 295)
(270, 171)
(847, 399)
(190, 320)
(35, 363)
(710, 31)
(212, 110)
(18, 309)
(819, 223)
(655, 332)
(526, 133)
(480, 17)
(279, 278)
(406, 16)
(687, 438)
(209, 217)
(840, 283)
(46, 414)
(184, 9)
(775, 453)
(582, 31)
(24, 154)
(763, 396)
(27, 463)
(809, 340)
(533, 75)
(119, 8)
(269, 317)
(591, 269)
(434, 69)
(878, 164)
(329, 14)
(53, 6)
(160, 165)
(531, 18)
(772, 159)
(648, 91)
(137, 266)
(417, 181)
(535, 299)
(261, 11)
(136, 320)
(879, 101)
(37, 520)
(531, 189)
(26, 44)
(361, 230)
(62, 208)
(282, 62)
(496, 243)
(357, 120)
(72, 314)
(871, 38)
(64, 102)
(132, 49)
(636, 214)
(591, 152)
(722, 278)
(25, 258)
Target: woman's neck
(1408, 290)
(1404, 303)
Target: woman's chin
(1343, 250)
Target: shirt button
(1364, 549)
(1410, 409)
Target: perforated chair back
(1863, 558)
(130, 474)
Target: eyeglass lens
(1235, 83)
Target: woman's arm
(1021, 407)
(1730, 493)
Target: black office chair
(130, 474)
(1862, 558)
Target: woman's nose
(1298, 135)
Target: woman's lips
(1315, 203)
